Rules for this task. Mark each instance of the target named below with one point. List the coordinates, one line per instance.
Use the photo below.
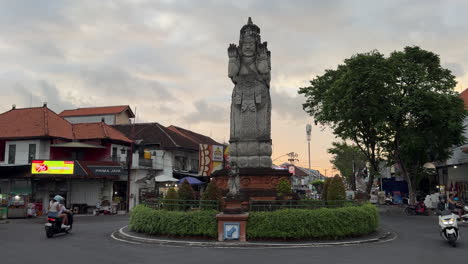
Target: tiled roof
(464, 96)
(172, 137)
(195, 137)
(91, 111)
(98, 131)
(42, 122)
(33, 122)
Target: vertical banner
(211, 158)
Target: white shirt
(53, 206)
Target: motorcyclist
(455, 205)
(62, 211)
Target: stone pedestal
(232, 227)
(255, 183)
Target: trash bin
(3, 213)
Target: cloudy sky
(168, 59)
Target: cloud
(207, 112)
(288, 107)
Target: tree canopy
(402, 108)
(348, 159)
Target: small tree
(212, 193)
(185, 191)
(336, 191)
(284, 187)
(326, 184)
(170, 202)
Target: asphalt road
(24, 241)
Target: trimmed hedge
(162, 222)
(322, 223)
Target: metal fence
(300, 204)
(180, 205)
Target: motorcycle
(418, 209)
(54, 225)
(449, 227)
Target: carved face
(248, 47)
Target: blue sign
(231, 231)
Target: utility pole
(308, 132)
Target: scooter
(54, 225)
(418, 209)
(449, 227)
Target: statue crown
(250, 29)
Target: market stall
(18, 206)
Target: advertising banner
(52, 167)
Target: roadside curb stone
(126, 236)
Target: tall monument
(249, 69)
(249, 175)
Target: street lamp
(308, 132)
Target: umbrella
(190, 180)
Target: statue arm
(263, 59)
(234, 61)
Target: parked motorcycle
(449, 227)
(418, 209)
(54, 225)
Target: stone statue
(249, 69)
(234, 180)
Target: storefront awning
(165, 178)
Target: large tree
(426, 113)
(352, 101)
(403, 107)
(348, 159)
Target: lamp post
(308, 132)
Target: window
(11, 154)
(114, 154)
(32, 152)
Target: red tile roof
(464, 96)
(166, 137)
(98, 131)
(195, 137)
(33, 122)
(91, 111)
(42, 122)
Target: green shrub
(162, 222)
(185, 191)
(322, 223)
(284, 187)
(212, 193)
(325, 188)
(336, 192)
(170, 201)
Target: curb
(122, 236)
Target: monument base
(232, 227)
(255, 184)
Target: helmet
(58, 198)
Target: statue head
(249, 38)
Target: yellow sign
(52, 167)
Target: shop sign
(217, 153)
(105, 170)
(52, 167)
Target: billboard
(52, 167)
(211, 158)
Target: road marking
(121, 240)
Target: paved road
(24, 241)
